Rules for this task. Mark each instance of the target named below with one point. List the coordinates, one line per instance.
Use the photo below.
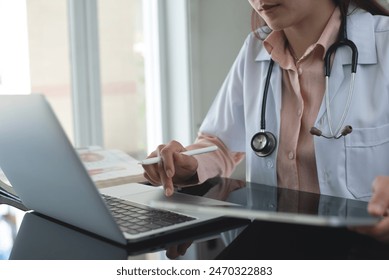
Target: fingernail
(169, 173)
(168, 192)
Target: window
(120, 73)
(14, 64)
(48, 44)
(89, 57)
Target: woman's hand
(379, 206)
(174, 167)
(176, 251)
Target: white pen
(153, 160)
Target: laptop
(49, 177)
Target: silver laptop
(49, 177)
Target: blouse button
(291, 155)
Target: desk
(40, 237)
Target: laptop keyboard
(135, 218)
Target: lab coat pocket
(367, 156)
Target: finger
(172, 252)
(167, 156)
(153, 177)
(153, 180)
(380, 231)
(151, 171)
(379, 202)
(166, 166)
(185, 167)
(182, 248)
(167, 181)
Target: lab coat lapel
(360, 25)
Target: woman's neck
(305, 33)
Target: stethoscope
(264, 142)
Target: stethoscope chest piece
(263, 143)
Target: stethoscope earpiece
(315, 131)
(345, 131)
(263, 143)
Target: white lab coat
(347, 166)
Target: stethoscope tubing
(337, 133)
(265, 92)
(327, 69)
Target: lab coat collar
(263, 55)
(360, 30)
(360, 24)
